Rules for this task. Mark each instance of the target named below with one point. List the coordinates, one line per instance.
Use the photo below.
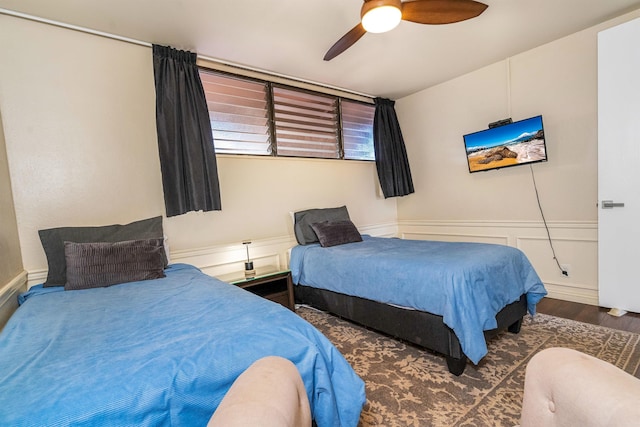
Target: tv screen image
(513, 144)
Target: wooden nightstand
(269, 282)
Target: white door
(619, 167)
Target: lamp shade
(379, 16)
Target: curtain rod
(147, 44)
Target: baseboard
(9, 296)
(571, 293)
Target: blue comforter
(465, 283)
(157, 352)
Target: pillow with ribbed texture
(101, 264)
(53, 242)
(336, 233)
(303, 220)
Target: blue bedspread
(465, 283)
(158, 352)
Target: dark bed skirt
(421, 328)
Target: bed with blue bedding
(157, 352)
(445, 296)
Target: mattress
(157, 352)
(465, 283)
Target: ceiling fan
(378, 16)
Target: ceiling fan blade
(437, 12)
(345, 42)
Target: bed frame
(417, 327)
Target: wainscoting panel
(224, 259)
(9, 297)
(220, 260)
(579, 255)
(575, 245)
(441, 237)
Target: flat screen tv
(513, 144)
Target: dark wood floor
(589, 314)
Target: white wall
(78, 114)
(79, 121)
(557, 80)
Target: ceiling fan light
(379, 16)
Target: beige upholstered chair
(566, 388)
(270, 393)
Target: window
(238, 113)
(256, 117)
(306, 124)
(357, 130)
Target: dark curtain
(185, 142)
(391, 156)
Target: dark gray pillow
(101, 264)
(336, 233)
(53, 242)
(303, 220)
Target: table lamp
(249, 271)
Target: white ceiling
(290, 37)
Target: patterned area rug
(409, 386)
